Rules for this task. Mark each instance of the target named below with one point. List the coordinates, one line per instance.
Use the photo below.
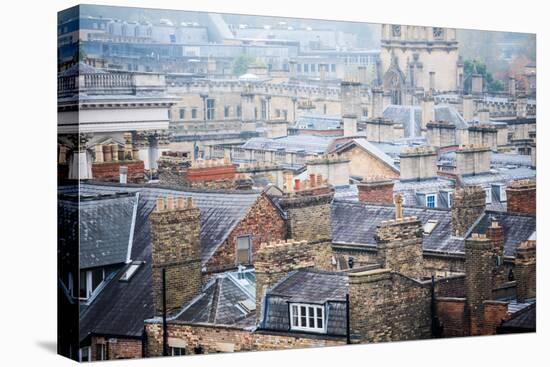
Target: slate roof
(121, 307)
(293, 143)
(354, 223)
(517, 228)
(220, 210)
(411, 117)
(105, 229)
(409, 189)
(307, 286)
(318, 122)
(524, 319)
(371, 149)
(218, 303)
(497, 159)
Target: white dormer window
(431, 200)
(488, 195)
(90, 280)
(307, 317)
(502, 192)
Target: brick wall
(478, 263)
(110, 171)
(451, 315)
(116, 348)
(215, 339)
(210, 174)
(494, 313)
(308, 214)
(526, 270)
(376, 192)
(522, 197)
(468, 205)
(386, 306)
(175, 231)
(399, 244)
(263, 223)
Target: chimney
(512, 86)
(418, 163)
(63, 154)
(399, 245)
(441, 134)
(288, 185)
(468, 108)
(114, 152)
(478, 264)
(428, 110)
(107, 156)
(483, 115)
(351, 106)
(331, 166)
(521, 197)
(379, 130)
(248, 105)
(123, 174)
(526, 271)
(473, 159)
(274, 260)
(477, 83)
(175, 241)
(376, 192)
(468, 205)
(308, 212)
(377, 102)
(98, 154)
(495, 233)
(128, 147)
(521, 106)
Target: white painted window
(502, 193)
(243, 250)
(307, 317)
(90, 280)
(176, 351)
(84, 354)
(431, 200)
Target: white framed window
(90, 280)
(488, 195)
(84, 354)
(244, 249)
(431, 200)
(210, 109)
(307, 317)
(101, 352)
(450, 199)
(176, 351)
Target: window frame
(171, 351)
(435, 200)
(249, 261)
(89, 349)
(210, 109)
(182, 113)
(300, 317)
(488, 195)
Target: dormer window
(307, 317)
(488, 195)
(90, 280)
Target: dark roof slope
(220, 210)
(525, 319)
(105, 225)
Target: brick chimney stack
(275, 259)
(175, 240)
(478, 252)
(521, 197)
(495, 233)
(308, 210)
(526, 271)
(468, 205)
(399, 245)
(376, 191)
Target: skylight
(430, 226)
(130, 271)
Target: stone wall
(399, 244)
(468, 205)
(418, 163)
(216, 339)
(175, 240)
(473, 159)
(263, 223)
(522, 197)
(388, 306)
(110, 171)
(441, 134)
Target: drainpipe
(164, 324)
(348, 333)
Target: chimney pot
(160, 204)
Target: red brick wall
(522, 197)
(376, 192)
(263, 222)
(494, 313)
(211, 173)
(450, 312)
(109, 171)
